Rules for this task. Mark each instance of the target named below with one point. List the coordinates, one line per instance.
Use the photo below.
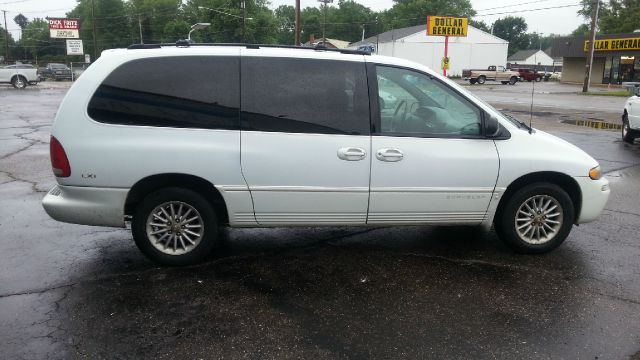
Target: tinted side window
(183, 91)
(304, 96)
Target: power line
(507, 6)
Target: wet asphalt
(72, 291)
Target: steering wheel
(394, 121)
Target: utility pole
(297, 26)
(93, 22)
(140, 28)
(592, 43)
(6, 37)
(324, 19)
(244, 19)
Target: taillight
(59, 161)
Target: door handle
(390, 155)
(351, 153)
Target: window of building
(182, 91)
(304, 96)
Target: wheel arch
(155, 182)
(566, 182)
(17, 76)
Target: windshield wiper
(520, 124)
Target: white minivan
(180, 140)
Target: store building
(616, 58)
(477, 50)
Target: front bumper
(595, 194)
(86, 205)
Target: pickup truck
(19, 75)
(494, 73)
(55, 71)
(529, 75)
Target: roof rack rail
(185, 43)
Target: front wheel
(627, 134)
(175, 226)
(535, 219)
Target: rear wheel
(627, 134)
(472, 81)
(482, 79)
(535, 219)
(538, 78)
(19, 82)
(504, 82)
(513, 80)
(175, 226)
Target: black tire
(472, 81)
(538, 78)
(19, 82)
(505, 222)
(513, 80)
(208, 230)
(627, 134)
(482, 79)
(504, 82)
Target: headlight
(595, 173)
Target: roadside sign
(60, 28)
(447, 26)
(74, 47)
(87, 58)
(614, 44)
(444, 64)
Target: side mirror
(491, 126)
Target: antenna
(533, 87)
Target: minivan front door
(305, 139)
(430, 163)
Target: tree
(414, 12)
(619, 16)
(35, 38)
(111, 22)
(480, 25)
(582, 30)
(514, 30)
(21, 20)
(3, 47)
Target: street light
(197, 26)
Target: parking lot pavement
(71, 291)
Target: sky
(560, 20)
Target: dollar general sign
(447, 26)
(615, 44)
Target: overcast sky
(557, 21)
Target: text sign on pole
(447, 26)
(74, 47)
(64, 28)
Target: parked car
(55, 71)
(492, 73)
(296, 136)
(19, 75)
(631, 118)
(529, 75)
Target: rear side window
(183, 91)
(304, 96)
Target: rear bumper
(595, 194)
(86, 205)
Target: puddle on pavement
(594, 124)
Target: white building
(477, 50)
(530, 57)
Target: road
(71, 291)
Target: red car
(529, 74)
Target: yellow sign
(615, 44)
(444, 64)
(447, 26)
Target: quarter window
(304, 96)
(182, 91)
(413, 103)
